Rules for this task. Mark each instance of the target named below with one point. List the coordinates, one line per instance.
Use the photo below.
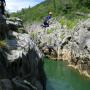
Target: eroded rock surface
(80, 48)
(21, 63)
(60, 43)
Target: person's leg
(0, 10)
(3, 10)
(46, 24)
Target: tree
(54, 3)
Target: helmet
(50, 13)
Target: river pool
(62, 77)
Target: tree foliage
(58, 7)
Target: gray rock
(80, 47)
(21, 60)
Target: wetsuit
(46, 23)
(2, 7)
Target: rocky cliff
(21, 62)
(80, 47)
(57, 42)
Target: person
(46, 20)
(2, 6)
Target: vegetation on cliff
(67, 8)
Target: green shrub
(71, 24)
(62, 21)
(62, 36)
(33, 34)
(49, 31)
(2, 43)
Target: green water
(62, 77)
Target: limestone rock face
(21, 63)
(61, 43)
(49, 39)
(81, 46)
(77, 49)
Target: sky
(16, 5)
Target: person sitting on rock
(47, 19)
(2, 7)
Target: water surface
(62, 77)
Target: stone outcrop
(21, 62)
(50, 39)
(60, 43)
(80, 47)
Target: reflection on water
(62, 77)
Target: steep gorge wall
(21, 62)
